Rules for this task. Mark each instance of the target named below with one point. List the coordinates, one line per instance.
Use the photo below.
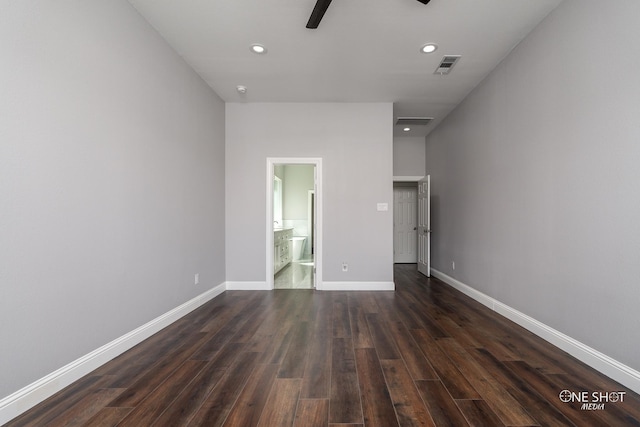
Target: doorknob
(415, 228)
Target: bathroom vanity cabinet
(281, 248)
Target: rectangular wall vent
(413, 121)
(447, 63)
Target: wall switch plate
(196, 279)
(453, 265)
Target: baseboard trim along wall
(610, 367)
(29, 396)
(247, 286)
(358, 286)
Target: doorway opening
(294, 223)
(412, 222)
(405, 222)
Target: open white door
(424, 226)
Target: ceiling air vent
(413, 121)
(447, 63)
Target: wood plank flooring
(424, 355)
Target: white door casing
(405, 225)
(424, 226)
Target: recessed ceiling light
(406, 129)
(258, 48)
(241, 89)
(429, 48)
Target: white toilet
(297, 247)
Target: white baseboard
(247, 286)
(29, 396)
(358, 286)
(610, 367)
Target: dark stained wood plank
(154, 376)
(382, 337)
(317, 373)
(295, 359)
(187, 403)
(407, 402)
(442, 407)
(220, 318)
(504, 405)
(359, 327)
(248, 408)
(281, 404)
(341, 325)
(478, 413)
(409, 317)
(526, 396)
(278, 348)
(493, 345)
(160, 398)
(377, 406)
(427, 322)
(218, 404)
(344, 406)
(249, 329)
(86, 408)
(550, 392)
(451, 377)
(209, 349)
(461, 334)
(416, 361)
(387, 310)
(614, 413)
(108, 417)
(364, 300)
(312, 413)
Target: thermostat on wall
(383, 206)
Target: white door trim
(317, 162)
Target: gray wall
(408, 156)
(535, 178)
(111, 182)
(355, 142)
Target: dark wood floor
(421, 356)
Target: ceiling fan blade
(318, 12)
(424, 1)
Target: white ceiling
(363, 50)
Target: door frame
(311, 212)
(417, 180)
(413, 186)
(271, 163)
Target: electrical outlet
(196, 279)
(345, 266)
(453, 265)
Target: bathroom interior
(293, 218)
